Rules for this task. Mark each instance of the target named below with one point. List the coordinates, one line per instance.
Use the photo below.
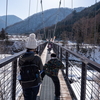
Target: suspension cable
(29, 4)
(29, 8)
(37, 7)
(72, 4)
(56, 19)
(95, 37)
(46, 20)
(29, 13)
(43, 18)
(28, 24)
(71, 20)
(95, 33)
(6, 13)
(6, 23)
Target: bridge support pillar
(83, 81)
(61, 54)
(14, 70)
(67, 64)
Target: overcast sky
(20, 8)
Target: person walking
(49, 47)
(51, 68)
(30, 65)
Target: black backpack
(29, 73)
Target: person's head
(31, 43)
(53, 55)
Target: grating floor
(47, 87)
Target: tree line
(3, 34)
(79, 27)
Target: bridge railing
(9, 85)
(81, 74)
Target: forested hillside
(35, 21)
(80, 27)
(11, 19)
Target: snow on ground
(4, 55)
(5, 79)
(92, 52)
(92, 78)
(92, 82)
(74, 73)
(17, 45)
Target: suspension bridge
(79, 80)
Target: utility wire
(4, 92)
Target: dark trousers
(30, 93)
(56, 82)
(49, 49)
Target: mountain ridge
(11, 19)
(35, 21)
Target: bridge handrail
(8, 59)
(71, 70)
(83, 59)
(8, 73)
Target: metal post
(67, 64)
(40, 50)
(83, 81)
(37, 48)
(54, 47)
(14, 71)
(58, 52)
(61, 54)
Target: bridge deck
(47, 87)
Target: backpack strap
(29, 65)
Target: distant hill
(11, 19)
(39, 20)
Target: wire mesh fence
(81, 74)
(10, 89)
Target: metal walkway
(47, 87)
